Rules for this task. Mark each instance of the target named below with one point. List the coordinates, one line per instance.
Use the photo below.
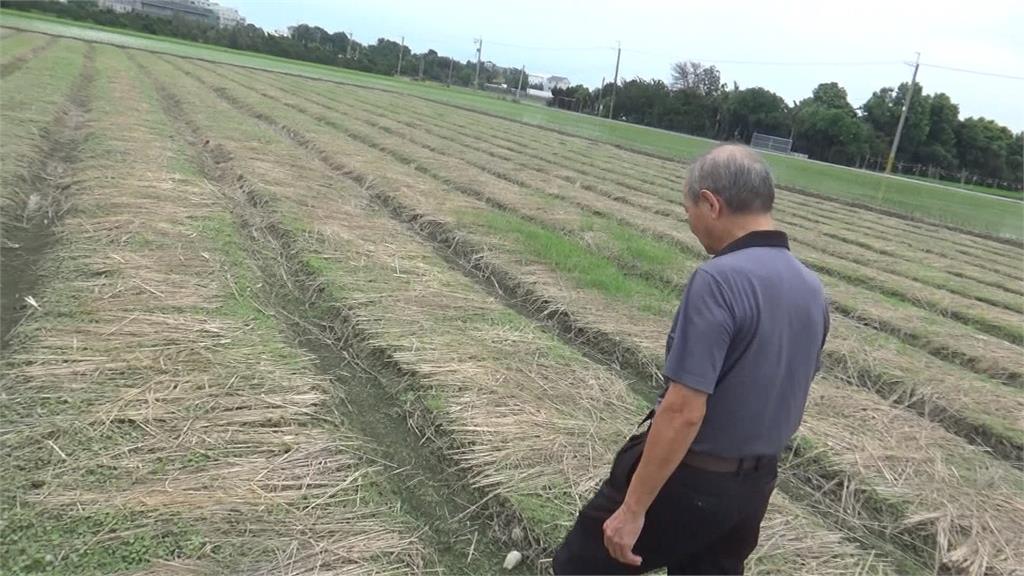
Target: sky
(788, 47)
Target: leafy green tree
(691, 112)
(1015, 161)
(577, 98)
(915, 129)
(832, 95)
(830, 134)
(510, 78)
(881, 113)
(754, 110)
(983, 147)
(826, 127)
(939, 148)
(641, 101)
(465, 76)
(695, 77)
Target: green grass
(35, 542)
(1014, 195)
(638, 247)
(989, 215)
(984, 214)
(221, 232)
(586, 268)
(12, 47)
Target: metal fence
(771, 143)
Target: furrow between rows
(528, 137)
(18, 61)
(865, 503)
(385, 401)
(993, 320)
(39, 198)
(803, 559)
(154, 419)
(855, 302)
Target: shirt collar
(757, 239)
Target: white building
(552, 82)
(207, 10)
(229, 17)
(119, 6)
(549, 81)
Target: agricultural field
(259, 323)
(917, 200)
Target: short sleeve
(702, 332)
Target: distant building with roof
(552, 82)
(199, 10)
(229, 17)
(549, 81)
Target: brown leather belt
(713, 463)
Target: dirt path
(45, 193)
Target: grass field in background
(989, 215)
(1014, 195)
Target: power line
(768, 62)
(763, 63)
(554, 48)
(794, 63)
(978, 72)
(727, 61)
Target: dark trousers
(700, 523)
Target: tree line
(825, 126)
(303, 42)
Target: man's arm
(675, 425)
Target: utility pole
(400, 52)
(348, 46)
(903, 117)
(451, 66)
(615, 83)
(479, 48)
(519, 88)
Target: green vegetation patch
(586, 268)
(106, 541)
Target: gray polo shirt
(749, 332)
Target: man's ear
(713, 202)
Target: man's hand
(674, 427)
(621, 531)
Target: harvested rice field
(255, 323)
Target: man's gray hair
(737, 175)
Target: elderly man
(689, 493)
